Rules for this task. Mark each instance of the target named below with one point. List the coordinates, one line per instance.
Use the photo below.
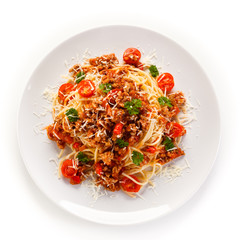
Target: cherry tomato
(68, 169)
(165, 82)
(129, 186)
(64, 90)
(118, 128)
(131, 56)
(75, 180)
(98, 169)
(151, 149)
(76, 145)
(175, 129)
(139, 65)
(86, 88)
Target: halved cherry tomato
(68, 169)
(129, 186)
(64, 90)
(139, 65)
(131, 56)
(118, 128)
(86, 88)
(165, 82)
(76, 145)
(151, 149)
(98, 169)
(175, 129)
(75, 180)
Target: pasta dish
(119, 121)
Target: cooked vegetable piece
(133, 106)
(153, 70)
(137, 157)
(72, 114)
(131, 56)
(165, 82)
(129, 185)
(68, 169)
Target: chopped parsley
(133, 106)
(137, 157)
(105, 87)
(168, 144)
(72, 114)
(80, 76)
(165, 101)
(82, 157)
(153, 70)
(121, 143)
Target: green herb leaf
(72, 114)
(137, 157)
(133, 106)
(80, 76)
(121, 143)
(153, 70)
(168, 144)
(105, 87)
(165, 101)
(82, 157)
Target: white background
(209, 30)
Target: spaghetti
(119, 121)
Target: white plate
(202, 139)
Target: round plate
(200, 143)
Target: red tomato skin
(76, 146)
(118, 129)
(64, 90)
(67, 168)
(98, 169)
(139, 65)
(151, 149)
(131, 56)
(86, 88)
(176, 129)
(129, 186)
(165, 82)
(75, 180)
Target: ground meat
(75, 69)
(177, 98)
(107, 157)
(110, 175)
(133, 139)
(167, 156)
(104, 60)
(109, 183)
(132, 128)
(57, 134)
